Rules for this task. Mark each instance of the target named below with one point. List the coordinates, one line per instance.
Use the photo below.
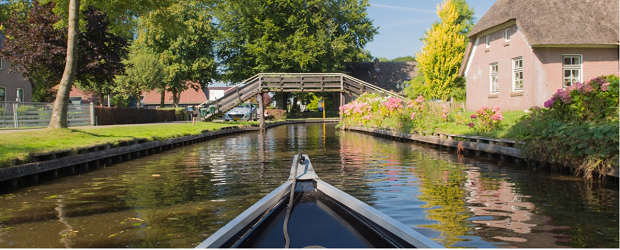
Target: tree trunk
(162, 102)
(101, 98)
(61, 105)
(175, 98)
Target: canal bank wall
(502, 148)
(64, 163)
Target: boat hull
(321, 216)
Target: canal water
(180, 197)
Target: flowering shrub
(596, 99)
(577, 127)
(486, 119)
(391, 107)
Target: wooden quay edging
(492, 147)
(67, 162)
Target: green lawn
(510, 118)
(20, 145)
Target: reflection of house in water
(501, 207)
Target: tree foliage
(144, 72)
(442, 53)
(465, 18)
(185, 45)
(100, 55)
(291, 35)
(37, 50)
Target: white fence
(20, 115)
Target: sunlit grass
(20, 145)
(510, 118)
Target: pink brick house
(523, 51)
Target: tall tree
(37, 50)
(442, 53)
(61, 105)
(119, 11)
(34, 47)
(100, 55)
(291, 35)
(144, 72)
(185, 45)
(466, 18)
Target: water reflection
(180, 197)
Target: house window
(75, 100)
(2, 94)
(494, 78)
(488, 41)
(517, 73)
(507, 35)
(20, 95)
(571, 65)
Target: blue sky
(403, 22)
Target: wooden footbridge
(346, 85)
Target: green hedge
(316, 114)
(113, 115)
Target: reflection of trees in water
(441, 188)
(68, 232)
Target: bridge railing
(295, 82)
(304, 82)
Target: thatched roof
(553, 22)
(557, 22)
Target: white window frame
(572, 67)
(17, 97)
(517, 70)
(488, 41)
(4, 96)
(494, 78)
(507, 35)
(0, 62)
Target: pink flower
(471, 125)
(413, 116)
(474, 116)
(587, 88)
(604, 86)
(420, 99)
(549, 103)
(495, 109)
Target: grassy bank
(20, 145)
(504, 131)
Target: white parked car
(244, 111)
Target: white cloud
(401, 8)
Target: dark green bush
(113, 115)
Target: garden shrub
(486, 119)
(578, 127)
(114, 115)
(277, 114)
(391, 113)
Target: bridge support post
(261, 110)
(342, 102)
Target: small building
(387, 75)
(217, 92)
(189, 97)
(522, 51)
(77, 97)
(13, 87)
